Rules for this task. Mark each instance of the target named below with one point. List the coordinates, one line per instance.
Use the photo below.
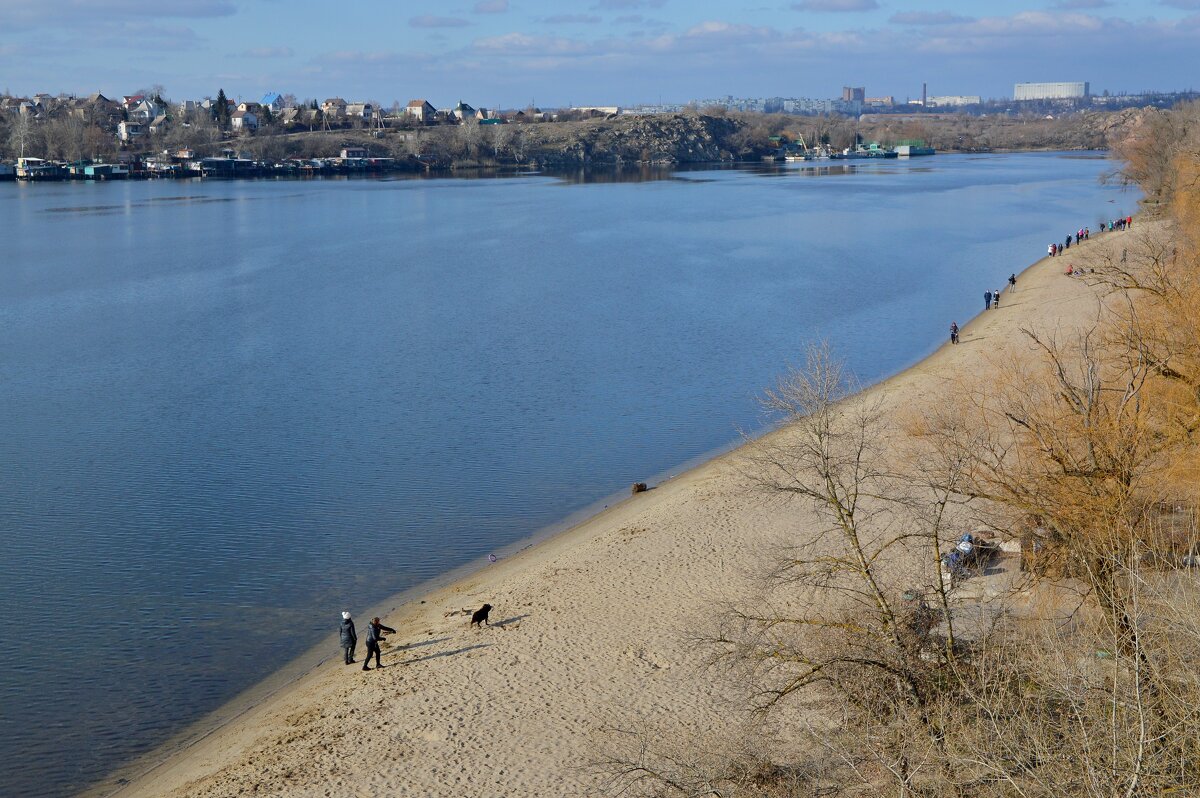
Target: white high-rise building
(1050, 91)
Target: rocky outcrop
(673, 139)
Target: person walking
(349, 637)
(1012, 282)
(954, 332)
(375, 633)
(987, 300)
(1050, 250)
(996, 298)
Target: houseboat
(911, 149)
(39, 169)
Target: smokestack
(924, 95)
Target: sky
(511, 53)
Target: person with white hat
(349, 637)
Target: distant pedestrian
(1067, 243)
(349, 637)
(375, 633)
(987, 300)
(1128, 222)
(1124, 256)
(954, 332)
(1012, 282)
(1052, 250)
(996, 298)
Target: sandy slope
(589, 628)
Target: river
(233, 409)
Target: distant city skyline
(509, 53)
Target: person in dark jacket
(349, 637)
(375, 632)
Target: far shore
(592, 626)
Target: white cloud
(431, 21)
(838, 6)
(1070, 5)
(627, 5)
(927, 18)
(490, 7)
(572, 19)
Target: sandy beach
(590, 629)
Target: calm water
(231, 410)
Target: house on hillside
(158, 125)
(145, 111)
(420, 111)
(246, 121)
(129, 130)
(272, 100)
(462, 111)
(364, 111)
(354, 152)
(334, 108)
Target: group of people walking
(1084, 232)
(991, 300)
(376, 631)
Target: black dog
(480, 615)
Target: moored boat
(39, 169)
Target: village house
(353, 152)
(129, 130)
(363, 111)
(462, 111)
(145, 111)
(98, 110)
(420, 111)
(158, 125)
(244, 120)
(334, 107)
(274, 101)
(253, 108)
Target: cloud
(490, 7)
(627, 5)
(1071, 5)
(268, 52)
(572, 19)
(34, 12)
(835, 5)
(928, 18)
(1186, 5)
(526, 44)
(430, 21)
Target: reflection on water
(233, 409)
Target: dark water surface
(230, 410)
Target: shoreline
(215, 755)
(119, 781)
